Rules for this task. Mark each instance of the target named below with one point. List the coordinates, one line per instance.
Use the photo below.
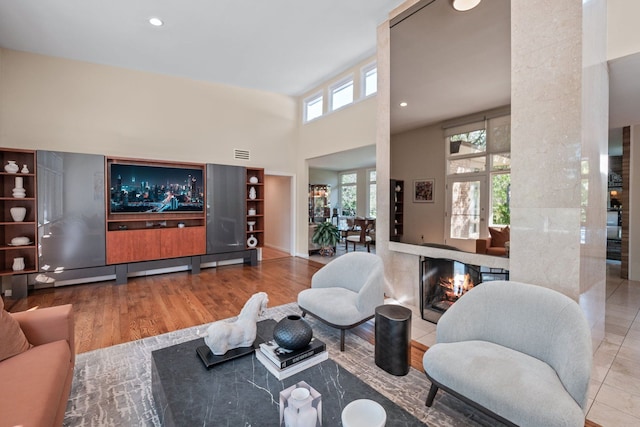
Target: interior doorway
(278, 206)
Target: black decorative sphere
(292, 333)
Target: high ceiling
(282, 46)
(291, 46)
(447, 64)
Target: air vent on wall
(241, 154)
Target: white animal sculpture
(225, 335)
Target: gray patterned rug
(112, 386)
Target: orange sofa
(35, 384)
(496, 243)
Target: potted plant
(327, 236)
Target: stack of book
(283, 363)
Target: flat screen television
(137, 188)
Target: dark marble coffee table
(241, 392)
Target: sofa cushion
(499, 236)
(516, 386)
(337, 304)
(11, 336)
(32, 384)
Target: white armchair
(345, 292)
(518, 352)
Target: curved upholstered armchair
(520, 353)
(345, 292)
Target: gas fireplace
(444, 281)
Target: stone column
(559, 121)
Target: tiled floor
(615, 379)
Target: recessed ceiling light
(403, 104)
(156, 22)
(464, 5)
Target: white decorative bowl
(364, 413)
(20, 241)
(18, 213)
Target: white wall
(623, 37)
(420, 154)
(353, 126)
(634, 204)
(278, 207)
(58, 104)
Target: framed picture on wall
(423, 190)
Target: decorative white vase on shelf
(252, 242)
(25, 169)
(11, 167)
(18, 264)
(253, 180)
(252, 193)
(251, 224)
(18, 213)
(252, 211)
(19, 192)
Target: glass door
(465, 216)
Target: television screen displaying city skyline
(135, 188)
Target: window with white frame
(478, 176)
(349, 193)
(369, 80)
(313, 107)
(371, 188)
(341, 94)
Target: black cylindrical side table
(393, 338)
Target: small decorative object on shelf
(253, 180)
(181, 225)
(19, 192)
(252, 242)
(18, 264)
(251, 224)
(292, 333)
(25, 169)
(20, 241)
(18, 213)
(252, 193)
(223, 336)
(11, 167)
(251, 211)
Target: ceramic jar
(252, 211)
(252, 193)
(11, 167)
(25, 169)
(18, 264)
(252, 242)
(18, 213)
(253, 180)
(292, 333)
(19, 192)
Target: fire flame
(458, 285)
